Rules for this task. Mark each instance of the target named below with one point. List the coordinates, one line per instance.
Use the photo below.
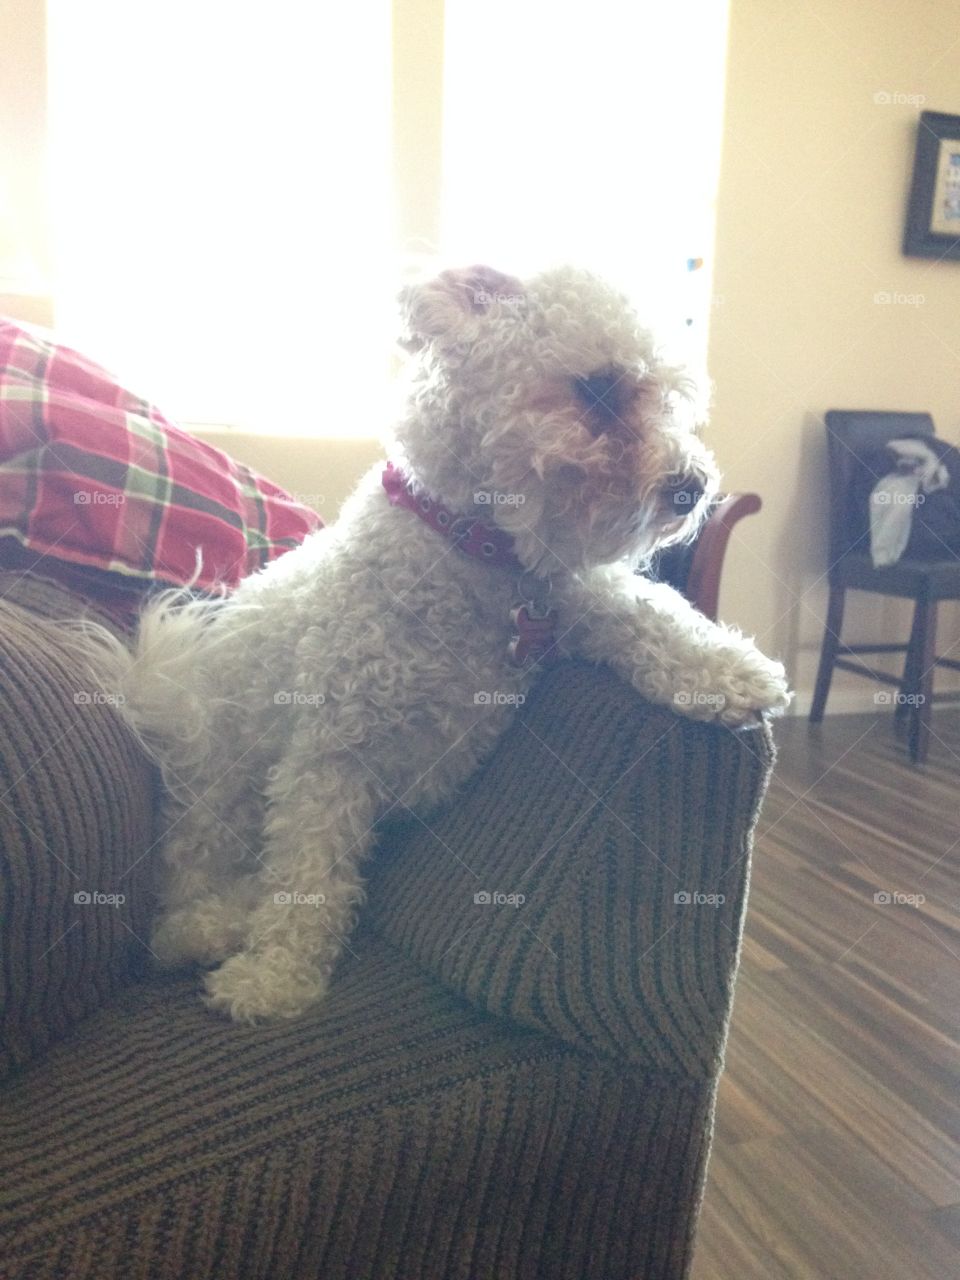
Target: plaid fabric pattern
(94, 476)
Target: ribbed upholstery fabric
(399, 1132)
(599, 809)
(489, 1091)
(76, 812)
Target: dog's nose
(684, 492)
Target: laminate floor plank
(837, 1143)
(848, 1221)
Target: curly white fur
(341, 683)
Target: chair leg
(924, 649)
(911, 671)
(828, 654)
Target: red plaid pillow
(91, 475)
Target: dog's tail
(162, 682)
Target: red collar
(473, 537)
(534, 639)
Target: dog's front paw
(264, 986)
(756, 688)
(750, 687)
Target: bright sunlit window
(589, 134)
(219, 175)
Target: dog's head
(542, 405)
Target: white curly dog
(542, 454)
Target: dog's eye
(602, 394)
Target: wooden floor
(837, 1152)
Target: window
(589, 134)
(220, 180)
(221, 204)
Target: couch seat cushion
(397, 1122)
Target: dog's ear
(446, 308)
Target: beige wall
(417, 122)
(817, 155)
(319, 473)
(23, 223)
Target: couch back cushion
(76, 829)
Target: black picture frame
(935, 191)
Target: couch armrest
(76, 814)
(627, 832)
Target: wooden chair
(695, 569)
(851, 434)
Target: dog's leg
(212, 839)
(670, 652)
(318, 827)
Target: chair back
(851, 435)
(694, 568)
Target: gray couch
(490, 1090)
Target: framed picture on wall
(933, 214)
